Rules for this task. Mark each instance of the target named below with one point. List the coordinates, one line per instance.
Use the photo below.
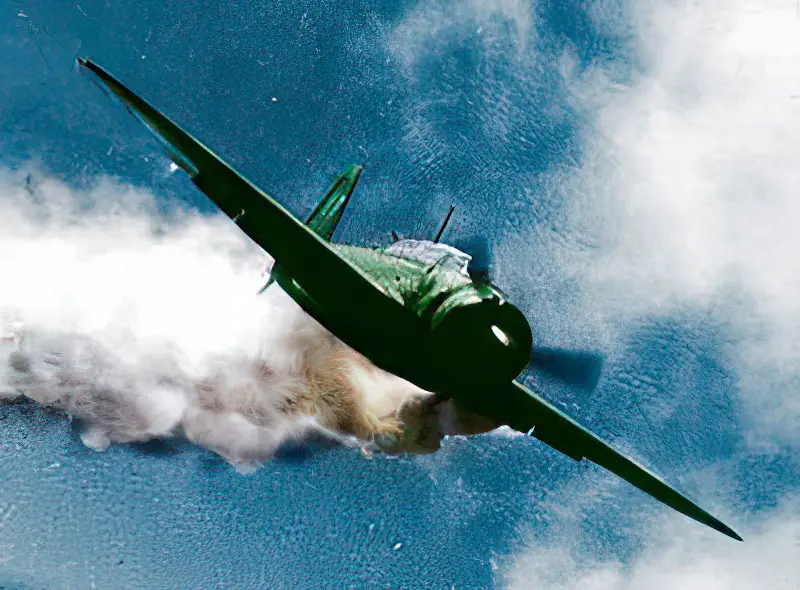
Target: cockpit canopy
(430, 253)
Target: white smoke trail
(144, 325)
(115, 315)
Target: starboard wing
(555, 428)
(307, 258)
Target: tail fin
(326, 215)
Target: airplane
(414, 309)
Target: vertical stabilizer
(325, 217)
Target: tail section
(326, 215)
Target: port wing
(553, 427)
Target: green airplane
(414, 309)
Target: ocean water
(632, 167)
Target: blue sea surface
(460, 104)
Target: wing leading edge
(555, 428)
(304, 255)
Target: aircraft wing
(303, 255)
(555, 428)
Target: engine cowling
(476, 328)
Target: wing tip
(87, 63)
(621, 465)
(721, 527)
(139, 110)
